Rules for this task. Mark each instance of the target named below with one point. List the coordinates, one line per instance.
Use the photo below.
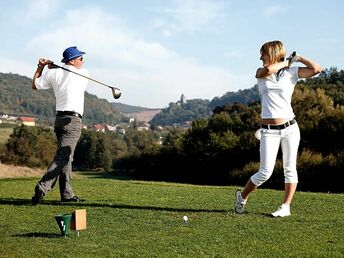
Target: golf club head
(116, 93)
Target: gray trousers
(68, 131)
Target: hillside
(179, 112)
(139, 113)
(124, 108)
(17, 98)
(143, 116)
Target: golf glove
(294, 57)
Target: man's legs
(70, 135)
(68, 131)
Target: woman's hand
(294, 57)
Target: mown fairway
(144, 219)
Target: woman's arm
(312, 68)
(271, 69)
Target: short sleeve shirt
(276, 92)
(69, 89)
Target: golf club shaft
(66, 69)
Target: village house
(25, 120)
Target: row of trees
(223, 150)
(218, 150)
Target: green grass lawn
(144, 219)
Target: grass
(144, 219)
(5, 134)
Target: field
(144, 219)
(4, 134)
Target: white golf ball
(257, 134)
(185, 218)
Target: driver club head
(116, 93)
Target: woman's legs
(290, 145)
(249, 187)
(289, 190)
(268, 149)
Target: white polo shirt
(276, 92)
(69, 88)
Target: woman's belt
(280, 127)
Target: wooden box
(79, 220)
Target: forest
(17, 98)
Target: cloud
(41, 9)
(189, 16)
(233, 54)
(16, 66)
(148, 73)
(23, 15)
(274, 10)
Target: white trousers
(271, 140)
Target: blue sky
(157, 50)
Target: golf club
(116, 92)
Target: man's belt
(68, 113)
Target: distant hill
(246, 96)
(143, 116)
(124, 108)
(179, 112)
(17, 98)
(139, 113)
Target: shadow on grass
(102, 175)
(38, 234)
(23, 202)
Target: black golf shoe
(38, 197)
(73, 199)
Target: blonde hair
(275, 51)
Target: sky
(155, 51)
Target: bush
(319, 173)
(30, 146)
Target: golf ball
(257, 134)
(185, 218)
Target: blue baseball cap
(70, 54)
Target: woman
(276, 82)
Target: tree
(30, 146)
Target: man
(69, 90)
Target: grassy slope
(130, 218)
(5, 134)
